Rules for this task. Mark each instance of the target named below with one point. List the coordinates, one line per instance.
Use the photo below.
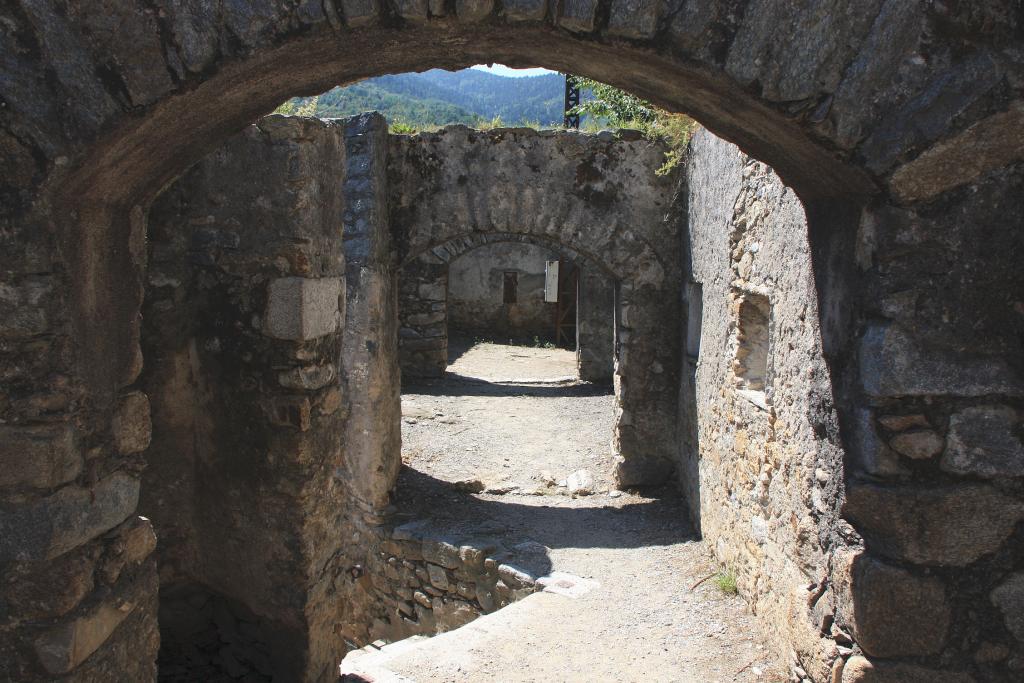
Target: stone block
(988, 144)
(47, 528)
(23, 308)
(892, 612)
(451, 614)
(441, 553)
(933, 525)
(870, 453)
(433, 291)
(286, 411)
(438, 577)
(38, 456)
(63, 647)
(894, 363)
(1008, 597)
(359, 12)
(525, 10)
(308, 378)
(300, 308)
(983, 441)
(634, 18)
(514, 577)
(413, 10)
(862, 670)
(918, 444)
(132, 427)
(578, 15)
(133, 541)
(53, 590)
(473, 10)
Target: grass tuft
(726, 582)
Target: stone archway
(915, 106)
(593, 197)
(423, 306)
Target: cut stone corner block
(300, 308)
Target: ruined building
(817, 319)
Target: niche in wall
(750, 364)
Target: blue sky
(502, 70)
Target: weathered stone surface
(989, 144)
(871, 454)
(54, 591)
(132, 426)
(473, 10)
(862, 670)
(918, 444)
(941, 525)
(438, 576)
(307, 378)
(441, 553)
(634, 18)
(894, 363)
(357, 13)
(415, 10)
(525, 10)
(302, 308)
(67, 645)
(985, 441)
(133, 541)
(23, 307)
(38, 456)
(578, 15)
(1008, 596)
(892, 612)
(53, 525)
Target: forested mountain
(437, 98)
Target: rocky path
(637, 602)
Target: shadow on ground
(453, 384)
(598, 522)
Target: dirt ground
(509, 419)
(483, 450)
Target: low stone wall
(426, 580)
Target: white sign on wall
(551, 281)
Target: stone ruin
(838, 390)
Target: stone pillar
(243, 334)
(370, 349)
(646, 385)
(595, 325)
(423, 316)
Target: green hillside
(437, 98)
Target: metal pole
(572, 98)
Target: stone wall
(243, 334)
(476, 304)
(763, 465)
(426, 579)
(761, 383)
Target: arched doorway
(84, 175)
